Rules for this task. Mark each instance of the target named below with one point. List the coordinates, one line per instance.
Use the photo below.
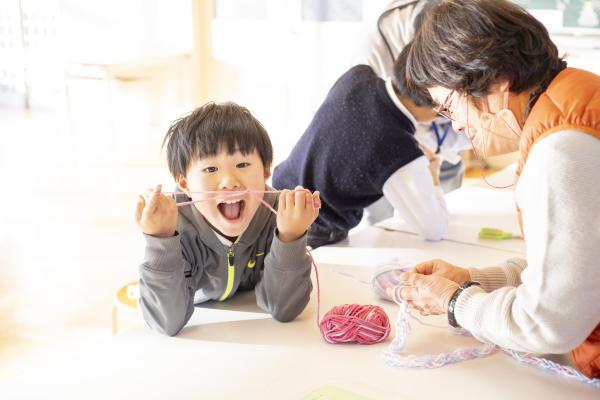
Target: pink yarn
(351, 322)
(365, 324)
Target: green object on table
(328, 392)
(494, 234)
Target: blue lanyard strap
(440, 140)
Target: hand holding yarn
(426, 282)
(444, 269)
(430, 294)
(157, 216)
(297, 210)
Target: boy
(226, 240)
(386, 37)
(359, 147)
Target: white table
(243, 353)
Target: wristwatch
(452, 303)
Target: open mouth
(231, 209)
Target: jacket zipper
(230, 273)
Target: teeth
(231, 201)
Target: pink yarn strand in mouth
(224, 195)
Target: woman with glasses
(493, 70)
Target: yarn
(393, 357)
(349, 323)
(227, 194)
(369, 324)
(364, 324)
(552, 367)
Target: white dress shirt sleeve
(419, 202)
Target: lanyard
(439, 139)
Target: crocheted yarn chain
(393, 357)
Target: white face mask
(498, 133)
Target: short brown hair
(209, 129)
(468, 45)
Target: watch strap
(452, 304)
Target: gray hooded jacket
(195, 266)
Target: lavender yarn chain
(393, 357)
(552, 367)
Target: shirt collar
(224, 240)
(392, 93)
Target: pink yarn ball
(348, 323)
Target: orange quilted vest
(571, 102)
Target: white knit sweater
(550, 302)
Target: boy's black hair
(418, 95)
(211, 128)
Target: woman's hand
(429, 286)
(430, 294)
(444, 269)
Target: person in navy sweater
(359, 147)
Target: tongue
(231, 211)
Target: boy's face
(227, 173)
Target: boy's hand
(157, 217)
(435, 162)
(298, 209)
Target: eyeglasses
(444, 108)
